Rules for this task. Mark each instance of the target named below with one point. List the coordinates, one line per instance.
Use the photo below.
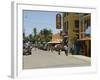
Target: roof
(56, 41)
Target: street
(48, 59)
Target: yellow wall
(70, 18)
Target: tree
(45, 35)
(34, 38)
(73, 37)
(35, 31)
(30, 37)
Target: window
(64, 14)
(76, 23)
(65, 26)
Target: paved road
(48, 59)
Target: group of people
(59, 48)
(27, 46)
(56, 47)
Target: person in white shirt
(66, 50)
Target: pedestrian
(59, 48)
(72, 49)
(52, 48)
(55, 47)
(66, 50)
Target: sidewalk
(82, 57)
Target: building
(85, 34)
(56, 38)
(78, 29)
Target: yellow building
(56, 38)
(76, 26)
(71, 25)
(85, 34)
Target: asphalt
(48, 59)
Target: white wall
(5, 39)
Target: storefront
(85, 47)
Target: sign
(58, 21)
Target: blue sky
(39, 20)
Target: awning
(86, 38)
(56, 41)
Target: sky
(39, 20)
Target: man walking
(58, 48)
(66, 50)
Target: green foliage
(73, 37)
(34, 31)
(44, 35)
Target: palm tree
(45, 35)
(35, 31)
